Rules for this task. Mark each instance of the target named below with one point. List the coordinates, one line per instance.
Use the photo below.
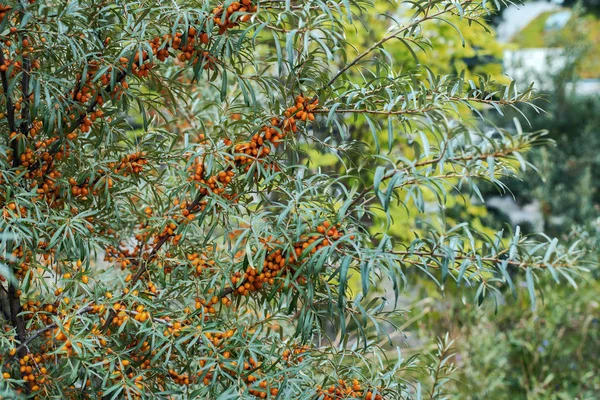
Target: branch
(470, 157)
(45, 329)
(376, 112)
(25, 78)
(17, 320)
(501, 102)
(10, 110)
(494, 260)
(379, 43)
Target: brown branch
(39, 332)
(25, 78)
(17, 320)
(4, 304)
(10, 110)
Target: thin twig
(379, 43)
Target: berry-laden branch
(42, 170)
(189, 45)
(25, 79)
(244, 154)
(13, 293)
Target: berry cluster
(41, 163)
(31, 371)
(295, 354)
(345, 390)
(4, 9)
(223, 17)
(131, 164)
(277, 263)
(244, 154)
(12, 209)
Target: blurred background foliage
(551, 351)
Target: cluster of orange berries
(36, 127)
(345, 390)
(303, 110)
(277, 264)
(254, 150)
(183, 379)
(262, 387)
(31, 371)
(140, 314)
(295, 355)
(131, 164)
(4, 9)
(21, 260)
(121, 257)
(326, 234)
(43, 312)
(87, 121)
(152, 287)
(12, 208)
(140, 66)
(27, 158)
(200, 263)
(215, 184)
(83, 92)
(225, 22)
(209, 306)
(160, 47)
(217, 338)
(140, 356)
(121, 315)
(168, 232)
(39, 167)
(80, 189)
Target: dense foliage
(163, 233)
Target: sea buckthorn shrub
(164, 236)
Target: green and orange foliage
(162, 237)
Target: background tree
(550, 352)
(163, 237)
